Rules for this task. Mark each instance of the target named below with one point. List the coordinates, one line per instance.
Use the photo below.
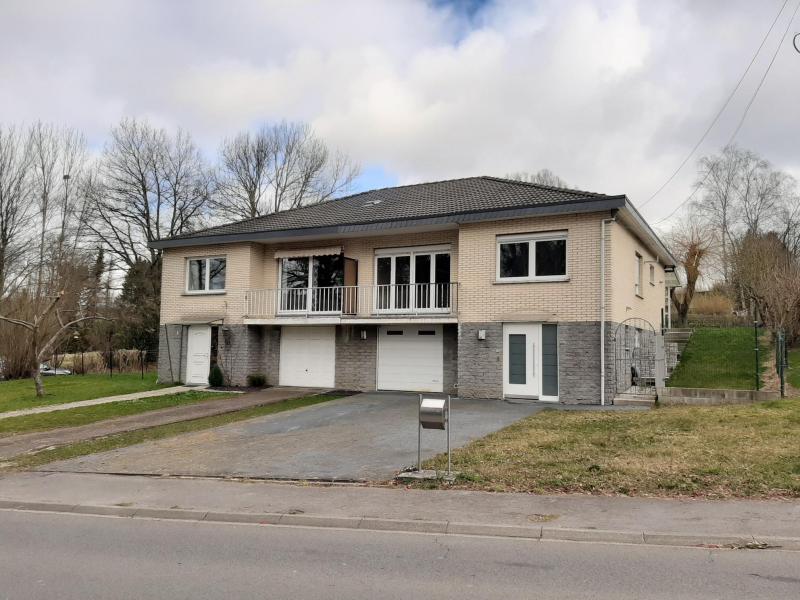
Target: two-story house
(483, 287)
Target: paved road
(44, 555)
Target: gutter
(603, 305)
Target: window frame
(529, 238)
(412, 252)
(637, 280)
(652, 275)
(205, 291)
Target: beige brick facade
(625, 304)
(483, 299)
(473, 266)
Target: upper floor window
(206, 275)
(637, 275)
(532, 257)
(652, 275)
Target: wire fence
(108, 361)
(750, 357)
(722, 358)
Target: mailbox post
(434, 413)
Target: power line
(721, 110)
(744, 114)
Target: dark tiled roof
(408, 202)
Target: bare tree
(769, 274)
(44, 336)
(541, 177)
(15, 182)
(278, 167)
(58, 156)
(741, 194)
(691, 242)
(148, 186)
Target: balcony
(357, 301)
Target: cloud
(610, 95)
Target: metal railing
(363, 300)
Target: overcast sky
(610, 95)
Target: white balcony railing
(360, 300)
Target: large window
(312, 283)
(535, 257)
(413, 279)
(205, 275)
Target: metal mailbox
(433, 413)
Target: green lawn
(723, 451)
(719, 357)
(29, 461)
(20, 393)
(91, 414)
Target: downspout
(603, 307)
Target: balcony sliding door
(311, 284)
(413, 282)
(293, 294)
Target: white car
(47, 370)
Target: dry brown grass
(733, 451)
(711, 303)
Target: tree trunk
(37, 380)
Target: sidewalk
(28, 442)
(685, 522)
(106, 400)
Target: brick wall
(625, 304)
(241, 352)
(482, 299)
(356, 359)
(579, 363)
(172, 343)
(450, 349)
(178, 306)
(480, 362)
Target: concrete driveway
(368, 436)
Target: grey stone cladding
(241, 351)
(172, 342)
(356, 359)
(480, 362)
(450, 343)
(579, 362)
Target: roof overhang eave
(444, 221)
(635, 220)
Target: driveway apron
(368, 436)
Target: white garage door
(410, 358)
(308, 356)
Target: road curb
(418, 526)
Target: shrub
(215, 377)
(256, 380)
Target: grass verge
(30, 461)
(20, 393)
(793, 372)
(74, 417)
(720, 357)
(716, 452)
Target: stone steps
(634, 400)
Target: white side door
(198, 355)
(411, 358)
(308, 356)
(522, 360)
